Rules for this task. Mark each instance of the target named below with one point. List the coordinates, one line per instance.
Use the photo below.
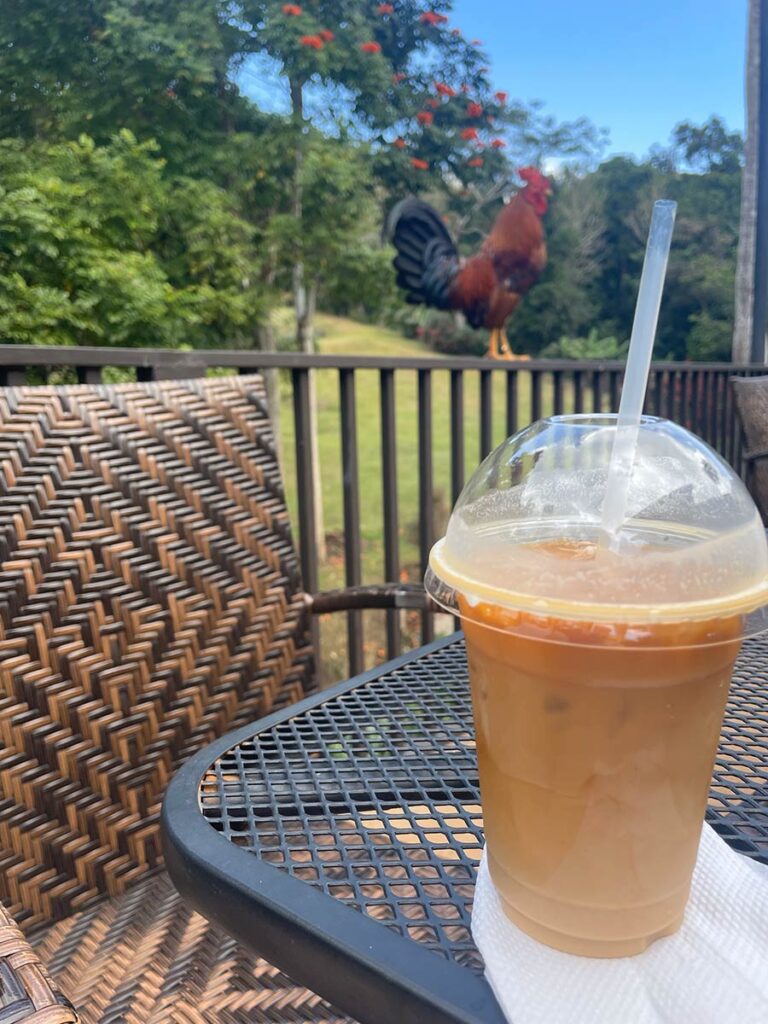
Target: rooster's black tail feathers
(427, 259)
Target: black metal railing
(458, 409)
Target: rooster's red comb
(534, 178)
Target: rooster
(487, 287)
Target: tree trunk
(304, 304)
(745, 265)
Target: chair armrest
(385, 595)
(28, 995)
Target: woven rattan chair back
(752, 405)
(150, 599)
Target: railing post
(535, 395)
(13, 376)
(511, 402)
(88, 374)
(390, 512)
(351, 495)
(426, 498)
(578, 391)
(597, 392)
(305, 480)
(457, 434)
(486, 413)
(557, 392)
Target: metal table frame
(345, 956)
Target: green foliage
(98, 247)
(448, 334)
(145, 200)
(593, 346)
(596, 231)
(362, 284)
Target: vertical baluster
(305, 492)
(511, 402)
(700, 403)
(557, 386)
(536, 376)
(486, 417)
(88, 374)
(426, 510)
(709, 380)
(13, 376)
(597, 396)
(738, 463)
(719, 412)
(351, 495)
(731, 425)
(613, 385)
(712, 404)
(652, 394)
(676, 398)
(578, 391)
(457, 442)
(389, 497)
(457, 434)
(689, 391)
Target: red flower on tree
(314, 42)
(474, 110)
(385, 9)
(432, 18)
(292, 9)
(477, 42)
(469, 134)
(370, 47)
(399, 76)
(501, 96)
(444, 90)
(399, 143)
(456, 32)
(433, 103)
(465, 88)
(476, 161)
(499, 144)
(425, 117)
(326, 35)
(420, 165)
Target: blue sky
(635, 67)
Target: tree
(411, 88)
(159, 68)
(98, 247)
(709, 147)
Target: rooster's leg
(505, 352)
(493, 345)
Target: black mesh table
(339, 838)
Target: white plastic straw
(638, 366)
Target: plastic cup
(599, 673)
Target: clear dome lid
(526, 530)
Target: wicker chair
(752, 405)
(150, 599)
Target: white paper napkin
(713, 971)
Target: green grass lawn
(338, 336)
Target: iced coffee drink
(599, 670)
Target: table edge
(240, 892)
